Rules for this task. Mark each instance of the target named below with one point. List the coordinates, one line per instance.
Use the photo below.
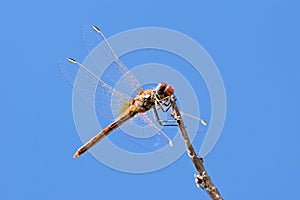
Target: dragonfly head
(164, 90)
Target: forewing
(90, 87)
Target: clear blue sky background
(256, 47)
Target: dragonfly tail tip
(76, 155)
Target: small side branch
(202, 180)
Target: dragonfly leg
(161, 121)
(156, 116)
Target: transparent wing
(104, 59)
(100, 50)
(90, 87)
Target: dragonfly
(156, 99)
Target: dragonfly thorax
(144, 101)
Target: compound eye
(169, 90)
(160, 88)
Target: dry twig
(202, 180)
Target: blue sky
(255, 46)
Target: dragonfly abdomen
(140, 104)
(126, 116)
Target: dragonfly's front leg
(163, 104)
(167, 107)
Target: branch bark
(202, 179)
